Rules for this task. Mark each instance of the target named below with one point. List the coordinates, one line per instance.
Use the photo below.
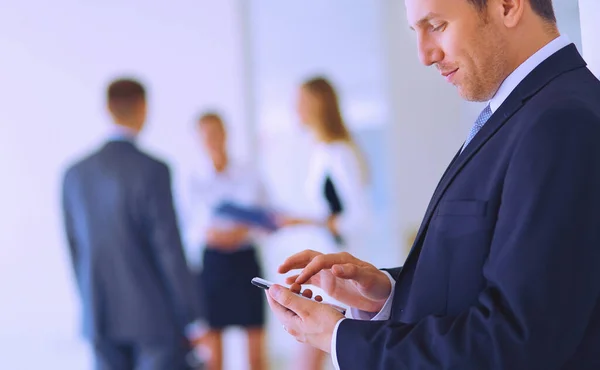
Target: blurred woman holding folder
(228, 199)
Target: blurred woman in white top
(336, 183)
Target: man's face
(212, 134)
(466, 45)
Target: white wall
(426, 127)
(56, 60)
(590, 29)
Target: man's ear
(512, 11)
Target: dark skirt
(229, 296)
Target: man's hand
(200, 341)
(332, 224)
(307, 321)
(286, 221)
(343, 277)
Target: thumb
(289, 300)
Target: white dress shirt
(506, 88)
(121, 133)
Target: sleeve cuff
(385, 312)
(334, 359)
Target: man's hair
(209, 116)
(543, 8)
(124, 95)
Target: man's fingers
(321, 262)
(307, 293)
(347, 271)
(291, 279)
(351, 271)
(291, 301)
(298, 261)
(312, 281)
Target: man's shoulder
(577, 89)
(79, 164)
(134, 163)
(146, 162)
(156, 164)
(574, 93)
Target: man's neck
(121, 131)
(220, 162)
(531, 43)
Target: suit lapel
(566, 59)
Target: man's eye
(437, 28)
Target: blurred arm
(68, 225)
(167, 247)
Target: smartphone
(265, 284)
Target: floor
(27, 351)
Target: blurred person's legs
(257, 350)
(162, 356)
(116, 355)
(111, 355)
(310, 358)
(232, 301)
(215, 347)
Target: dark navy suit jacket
(126, 248)
(505, 270)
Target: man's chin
(464, 94)
(470, 96)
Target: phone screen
(262, 283)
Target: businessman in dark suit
(138, 296)
(505, 270)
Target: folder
(248, 215)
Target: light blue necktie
(481, 120)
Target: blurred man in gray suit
(140, 305)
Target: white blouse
(340, 162)
(238, 184)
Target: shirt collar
(519, 74)
(122, 133)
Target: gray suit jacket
(125, 246)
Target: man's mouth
(449, 74)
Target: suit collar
(565, 60)
(519, 74)
(119, 143)
(122, 133)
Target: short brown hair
(210, 116)
(543, 8)
(124, 95)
